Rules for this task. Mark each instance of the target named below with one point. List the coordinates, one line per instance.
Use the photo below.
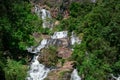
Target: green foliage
(96, 57)
(77, 13)
(49, 56)
(17, 25)
(80, 9)
(45, 31)
(15, 70)
(59, 17)
(98, 54)
(2, 65)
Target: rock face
(48, 57)
(53, 57)
(58, 7)
(58, 57)
(44, 14)
(62, 73)
(59, 75)
(64, 53)
(53, 52)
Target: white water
(116, 78)
(75, 39)
(39, 71)
(74, 75)
(58, 35)
(39, 47)
(45, 15)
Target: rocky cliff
(58, 8)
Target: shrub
(15, 70)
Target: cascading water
(45, 15)
(75, 39)
(74, 75)
(37, 70)
(57, 35)
(39, 47)
(116, 78)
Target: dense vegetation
(98, 55)
(17, 24)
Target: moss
(81, 36)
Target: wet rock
(58, 7)
(55, 42)
(48, 57)
(63, 73)
(55, 6)
(36, 34)
(65, 42)
(60, 35)
(53, 53)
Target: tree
(18, 24)
(15, 70)
(98, 54)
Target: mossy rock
(59, 75)
(48, 56)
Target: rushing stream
(37, 70)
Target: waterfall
(57, 35)
(116, 78)
(74, 75)
(37, 70)
(45, 15)
(39, 47)
(75, 39)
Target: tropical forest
(59, 39)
